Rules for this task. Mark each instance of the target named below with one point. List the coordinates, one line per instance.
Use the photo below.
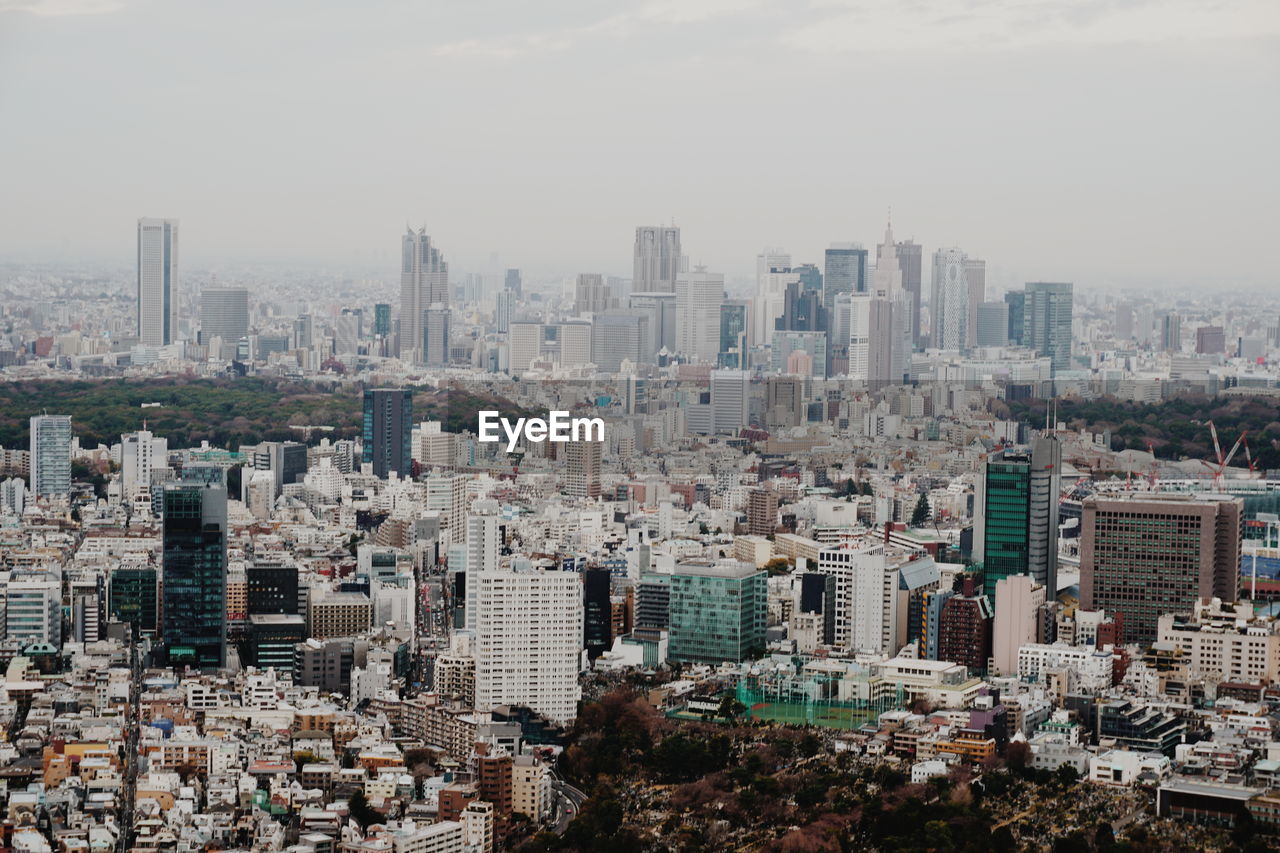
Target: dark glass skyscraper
(382, 320)
(597, 620)
(846, 272)
(1016, 300)
(195, 571)
(388, 424)
(1046, 321)
(733, 335)
(1018, 517)
(133, 597)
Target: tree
(777, 566)
(730, 708)
(360, 810)
(922, 512)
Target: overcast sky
(1101, 141)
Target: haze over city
(1126, 144)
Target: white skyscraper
(529, 641)
(51, 455)
(699, 295)
(140, 453)
(424, 283)
(866, 602)
(773, 274)
(949, 307)
(657, 259)
(729, 401)
(157, 281)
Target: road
(130, 788)
(568, 802)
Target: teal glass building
(717, 612)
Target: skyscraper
(388, 429)
(949, 305)
(699, 295)
(616, 337)
(382, 320)
(975, 274)
(657, 259)
(424, 283)
(845, 271)
(1158, 553)
(911, 262)
(140, 453)
(1017, 516)
(1016, 300)
(528, 641)
(224, 314)
(194, 565)
(733, 335)
(1046, 326)
(718, 612)
(513, 282)
(157, 281)
(1171, 332)
(730, 401)
(589, 294)
(582, 473)
(993, 324)
(50, 455)
(435, 335)
(597, 611)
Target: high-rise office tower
(424, 283)
(949, 305)
(224, 314)
(845, 271)
(513, 282)
(194, 566)
(529, 641)
(140, 453)
(382, 320)
(589, 294)
(1046, 324)
(660, 308)
(762, 512)
(286, 460)
(582, 468)
(773, 277)
(1158, 553)
(911, 263)
(617, 336)
(1016, 300)
(657, 259)
(504, 311)
(1210, 340)
(1123, 322)
(304, 331)
(435, 336)
(802, 309)
(272, 585)
(871, 339)
(975, 274)
(134, 597)
(993, 324)
(889, 286)
(597, 620)
(1016, 530)
(717, 612)
(50, 455)
(157, 281)
(730, 399)
(733, 335)
(1171, 332)
(388, 431)
(699, 295)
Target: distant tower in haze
(845, 272)
(910, 262)
(699, 295)
(424, 283)
(657, 259)
(949, 307)
(1047, 321)
(224, 314)
(157, 281)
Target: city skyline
(1057, 172)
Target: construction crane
(1153, 476)
(1222, 461)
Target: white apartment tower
(949, 307)
(529, 641)
(140, 454)
(50, 455)
(157, 281)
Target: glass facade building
(733, 334)
(718, 612)
(134, 598)
(195, 572)
(388, 428)
(1019, 516)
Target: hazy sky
(1105, 141)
